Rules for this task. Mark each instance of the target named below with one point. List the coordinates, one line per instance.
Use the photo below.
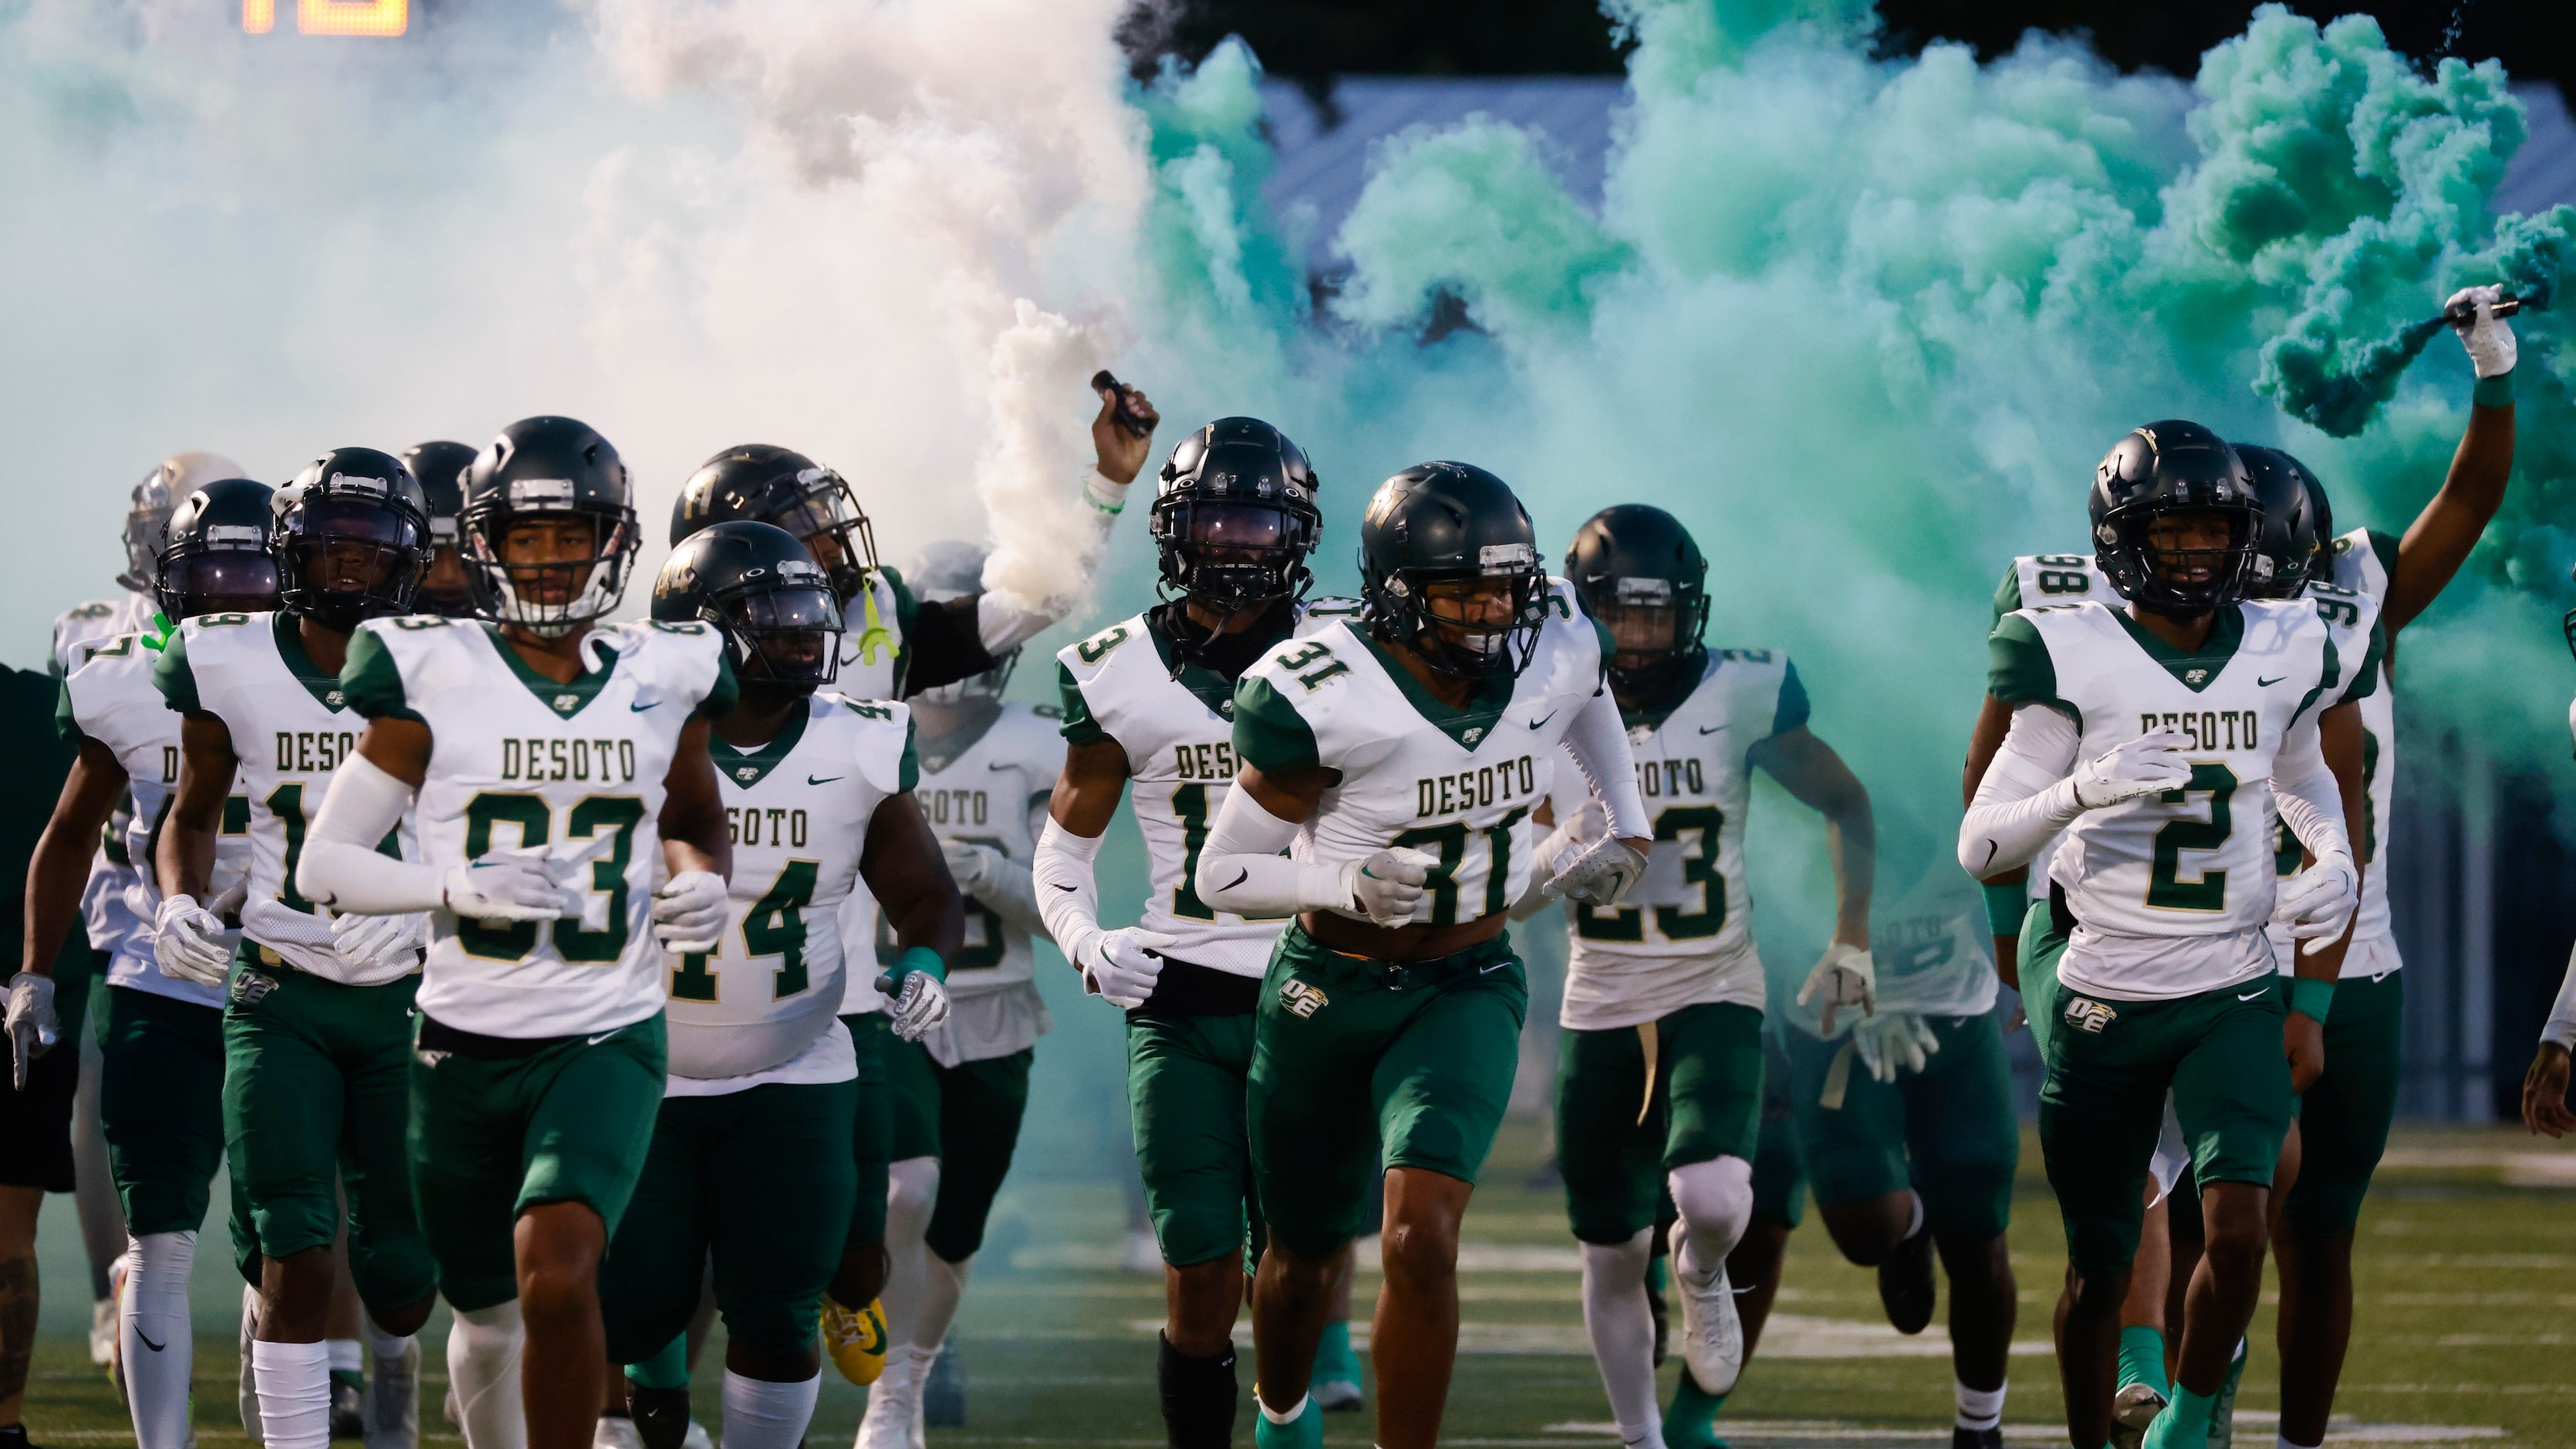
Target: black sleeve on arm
(946, 642)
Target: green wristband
(2493, 392)
(917, 958)
(2005, 906)
(2311, 998)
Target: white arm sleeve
(1068, 892)
(341, 868)
(2304, 789)
(2560, 1029)
(1011, 893)
(1004, 620)
(2027, 796)
(1242, 870)
(1598, 742)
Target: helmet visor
(788, 635)
(1234, 526)
(348, 547)
(218, 581)
(2195, 548)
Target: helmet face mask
(2290, 552)
(446, 587)
(548, 528)
(765, 483)
(774, 605)
(218, 559)
(1643, 576)
(2176, 520)
(1449, 570)
(1235, 517)
(352, 539)
(146, 533)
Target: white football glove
(969, 864)
(689, 911)
(1894, 1041)
(1386, 886)
(188, 941)
(918, 1005)
(2317, 902)
(1600, 874)
(512, 885)
(33, 1027)
(1124, 965)
(1577, 833)
(2148, 765)
(1843, 977)
(2488, 337)
(376, 949)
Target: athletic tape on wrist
(2005, 906)
(2311, 998)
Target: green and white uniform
(2164, 979)
(750, 1158)
(104, 910)
(1664, 996)
(1189, 1047)
(958, 1094)
(540, 1054)
(317, 1086)
(1356, 1061)
(162, 1076)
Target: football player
(145, 533)
(958, 1093)
(162, 1091)
(317, 1028)
(2159, 739)
(1400, 756)
(1664, 1000)
(440, 467)
(1151, 699)
(560, 767)
(750, 1161)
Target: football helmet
(1634, 565)
(440, 469)
(2289, 551)
(351, 539)
(147, 512)
(2156, 472)
(1234, 516)
(756, 583)
(218, 558)
(548, 468)
(1436, 526)
(953, 569)
(770, 484)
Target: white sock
(1980, 1408)
(1716, 1203)
(912, 1190)
(152, 1326)
(344, 1355)
(294, 1382)
(1914, 1223)
(483, 1373)
(1294, 1413)
(1622, 1329)
(383, 1345)
(943, 1288)
(762, 1415)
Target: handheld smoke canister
(1128, 417)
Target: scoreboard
(381, 18)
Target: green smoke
(1866, 326)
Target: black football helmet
(352, 538)
(770, 484)
(2157, 471)
(1634, 559)
(1451, 523)
(2290, 551)
(218, 559)
(1235, 516)
(558, 468)
(147, 511)
(754, 581)
(440, 468)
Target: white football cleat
(894, 1401)
(102, 1332)
(697, 1437)
(615, 1432)
(2132, 1410)
(1712, 1334)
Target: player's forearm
(1068, 890)
(1598, 742)
(2025, 798)
(1852, 843)
(1241, 869)
(2560, 1029)
(2309, 796)
(2443, 535)
(1008, 892)
(56, 874)
(340, 867)
(184, 861)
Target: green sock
(1691, 1421)
(2184, 1422)
(1334, 1361)
(350, 1377)
(668, 1369)
(2142, 1359)
(1656, 1277)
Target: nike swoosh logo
(1059, 885)
(2249, 996)
(2260, 683)
(147, 1341)
(1001, 765)
(640, 708)
(826, 780)
(1489, 970)
(603, 1036)
(1991, 847)
(1713, 729)
(1542, 719)
(1241, 875)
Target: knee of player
(1422, 1252)
(913, 1186)
(557, 1288)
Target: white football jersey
(2361, 563)
(1684, 935)
(2171, 892)
(519, 760)
(1178, 733)
(990, 789)
(2352, 621)
(2050, 578)
(104, 914)
(1459, 784)
(110, 697)
(764, 1005)
(291, 727)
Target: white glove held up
(2148, 765)
(2488, 337)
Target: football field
(2467, 1270)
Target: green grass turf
(2467, 1273)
